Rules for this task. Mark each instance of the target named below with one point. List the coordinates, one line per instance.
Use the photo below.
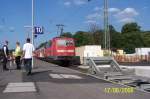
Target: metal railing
(112, 72)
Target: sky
(15, 16)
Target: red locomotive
(59, 48)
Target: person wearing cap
(5, 51)
(28, 49)
(18, 55)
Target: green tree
(117, 40)
(67, 34)
(131, 37)
(146, 38)
(98, 37)
(132, 41)
(82, 38)
(130, 27)
(115, 37)
(96, 34)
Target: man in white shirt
(28, 49)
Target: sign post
(32, 29)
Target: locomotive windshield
(65, 42)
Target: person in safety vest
(18, 54)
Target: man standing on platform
(5, 55)
(28, 49)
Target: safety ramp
(108, 68)
(140, 84)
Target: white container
(88, 51)
(142, 51)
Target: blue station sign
(38, 30)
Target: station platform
(49, 81)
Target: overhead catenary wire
(60, 28)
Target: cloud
(79, 2)
(126, 15)
(127, 20)
(128, 12)
(97, 9)
(67, 3)
(90, 21)
(94, 16)
(75, 2)
(114, 10)
(111, 10)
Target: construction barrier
(132, 59)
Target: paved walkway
(50, 81)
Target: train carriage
(58, 49)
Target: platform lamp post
(32, 29)
(106, 29)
